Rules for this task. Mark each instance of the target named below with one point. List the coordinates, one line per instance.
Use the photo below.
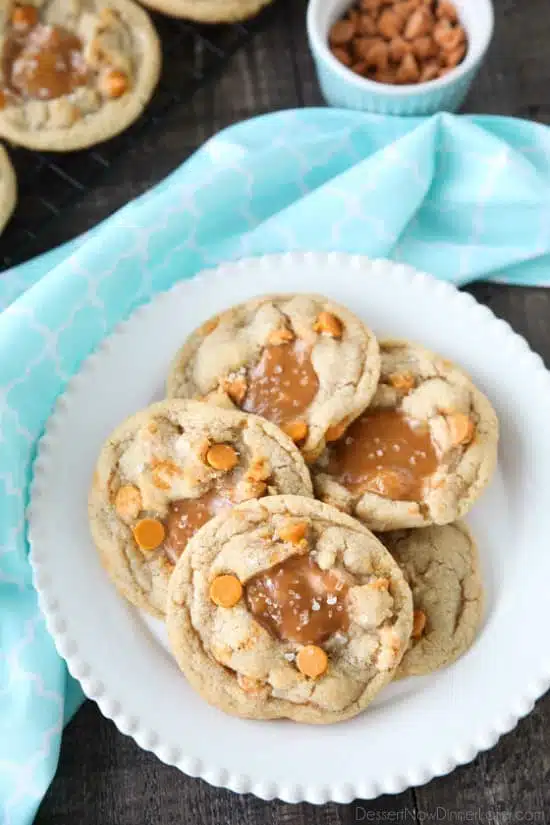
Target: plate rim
(59, 627)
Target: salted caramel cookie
(286, 607)
(209, 11)
(421, 454)
(74, 72)
(300, 361)
(441, 565)
(165, 472)
(8, 188)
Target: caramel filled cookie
(441, 565)
(286, 607)
(421, 454)
(165, 472)
(74, 72)
(209, 11)
(8, 188)
(306, 364)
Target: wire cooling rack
(50, 184)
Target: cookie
(166, 471)
(287, 608)
(209, 11)
(441, 565)
(8, 188)
(421, 454)
(301, 361)
(74, 72)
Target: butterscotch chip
(235, 388)
(360, 68)
(114, 84)
(429, 72)
(455, 56)
(342, 55)
(329, 324)
(424, 48)
(341, 33)
(367, 25)
(419, 623)
(24, 17)
(461, 428)
(280, 336)
(444, 8)
(402, 381)
(377, 57)
(128, 502)
(293, 532)
(312, 661)
(408, 71)
(398, 48)
(296, 430)
(449, 38)
(380, 584)
(226, 591)
(390, 24)
(210, 325)
(419, 23)
(149, 533)
(222, 457)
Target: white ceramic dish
(417, 729)
(342, 87)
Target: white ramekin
(343, 88)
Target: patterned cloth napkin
(461, 197)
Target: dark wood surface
(103, 777)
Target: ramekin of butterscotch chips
(399, 42)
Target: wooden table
(103, 777)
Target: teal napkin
(463, 198)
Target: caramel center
(43, 62)
(384, 453)
(282, 384)
(297, 601)
(187, 515)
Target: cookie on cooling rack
(74, 73)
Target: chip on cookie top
(441, 566)
(165, 472)
(421, 453)
(306, 364)
(286, 607)
(74, 72)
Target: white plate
(417, 729)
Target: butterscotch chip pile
(399, 41)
